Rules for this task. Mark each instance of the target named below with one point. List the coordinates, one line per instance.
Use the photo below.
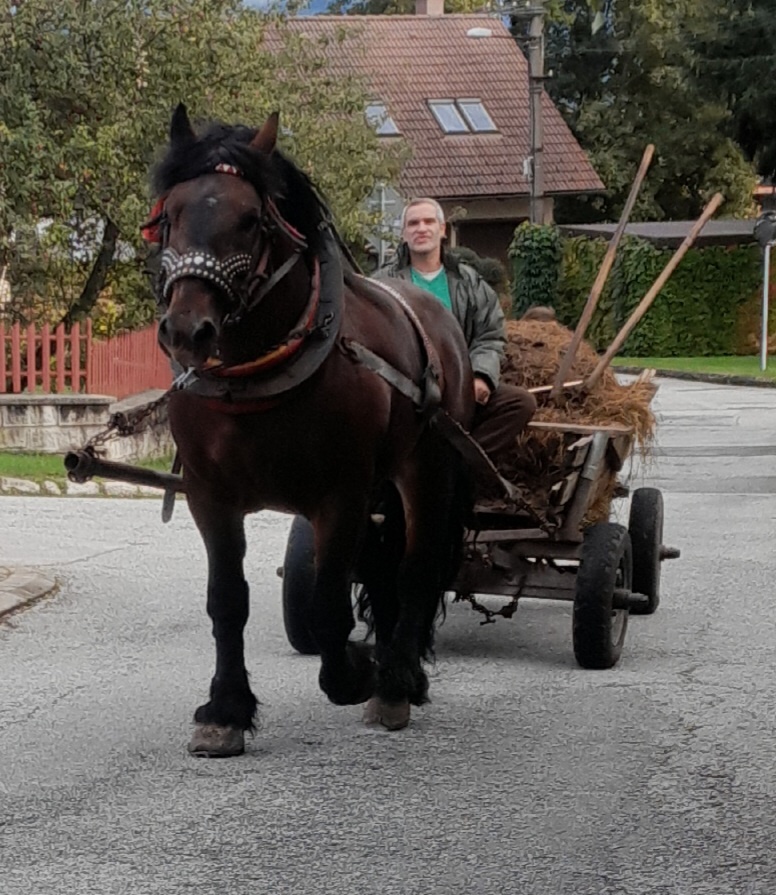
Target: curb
(20, 487)
(20, 586)
(714, 378)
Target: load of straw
(534, 351)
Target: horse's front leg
(221, 723)
(348, 670)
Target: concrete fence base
(56, 424)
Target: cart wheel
(605, 564)
(298, 583)
(645, 525)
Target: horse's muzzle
(188, 339)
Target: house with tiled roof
(456, 89)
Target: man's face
(422, 230)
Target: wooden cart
(604, 568)
(549, 551)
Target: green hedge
(699, 311)
(536, 254)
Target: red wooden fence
(127, 364)
(47, 360)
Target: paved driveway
(525, 775)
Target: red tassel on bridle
(151, 231)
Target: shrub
(709, 306)
(536, 254)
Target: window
(462, 116)
(476, 116)
(377, 116)
(449, 117)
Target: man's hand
(481, 390)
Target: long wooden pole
(653, 292)
(600, 280)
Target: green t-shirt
(437, 286)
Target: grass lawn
(729, 366)
(39, 467)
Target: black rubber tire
(298, 583)
(645, 525)
(606, 563)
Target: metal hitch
(82, 465)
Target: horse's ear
(267, 137)
(181, 131)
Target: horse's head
(216, 226)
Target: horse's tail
(380, 557)
(459, 517)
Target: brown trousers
(498, 423)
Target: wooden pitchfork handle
(654, 290)
(600, 280)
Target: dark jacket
(476, 307)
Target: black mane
(274, 176)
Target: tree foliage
(737, 60)
(86, 92)
(633, 82)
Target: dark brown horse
(311, 391)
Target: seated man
(503, 411)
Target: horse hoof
(214, 741)
(351, 682)
(392, 715)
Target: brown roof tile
(408, 60)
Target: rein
(293, 341)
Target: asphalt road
(525, 775)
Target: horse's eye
(248, 222)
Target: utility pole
(536, 88)
(533, 166)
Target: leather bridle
(243, 278)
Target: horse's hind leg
(347, 673)
(221, 722)
(378, 570)
(428, 490)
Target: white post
(381, 246)
(766, 285)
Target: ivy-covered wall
(710, 305)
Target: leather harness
(265, 381)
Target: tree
(86, 92)
(632, 83)
(737, 60)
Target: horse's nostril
(204, 333)
(164, 329)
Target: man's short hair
(540, 312)
(440, 215)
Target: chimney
(429, 7)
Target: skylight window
(377, 116)
(462, 116)
(476, 115)
(449, 117)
